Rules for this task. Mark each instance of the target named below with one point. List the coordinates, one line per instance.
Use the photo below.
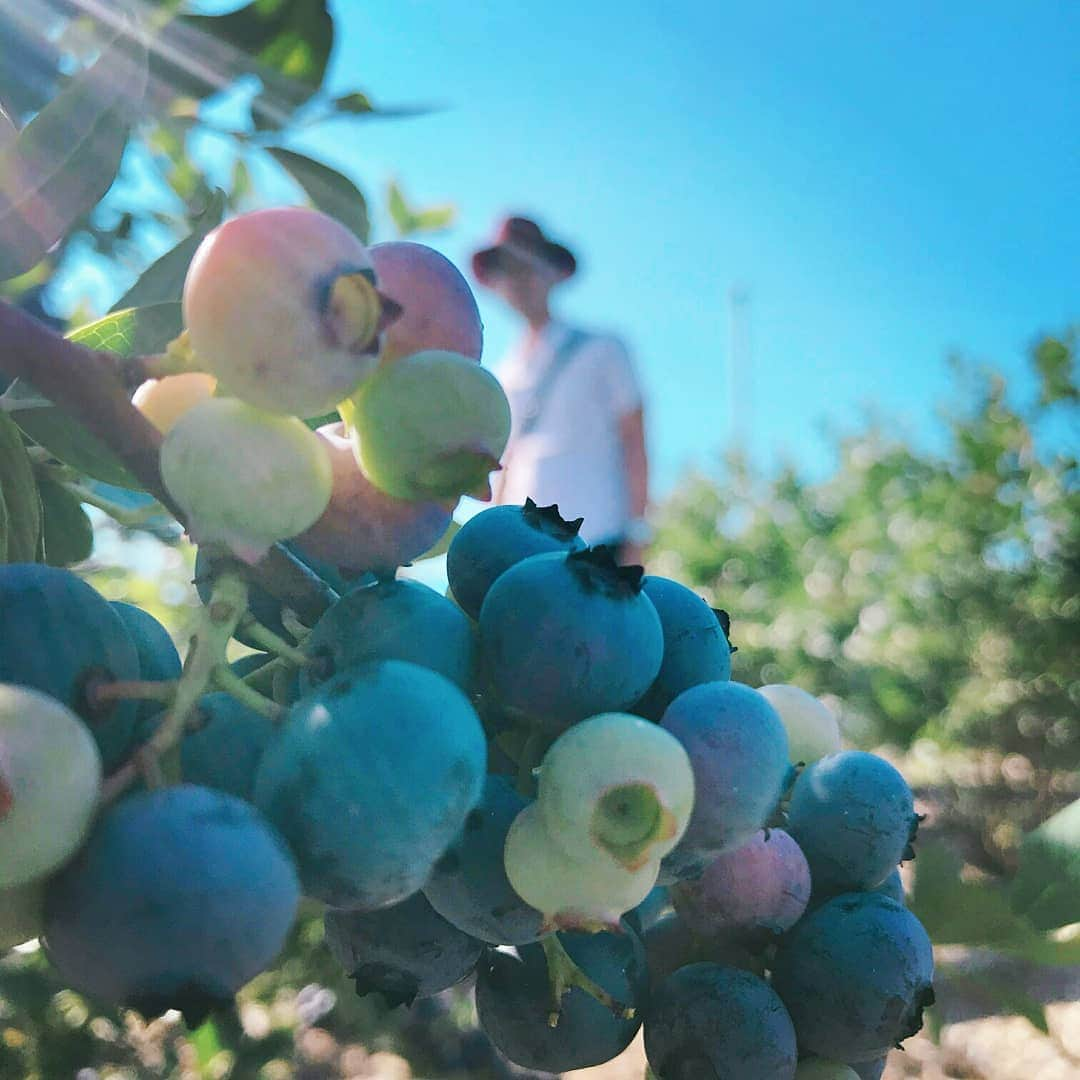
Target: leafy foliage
(927, 594)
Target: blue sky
(889, 182)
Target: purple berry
(739, 753)
(756, 891)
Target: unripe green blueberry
(618, 784)
(438, 308)
(430, 426)
(50, 777)
(812, 729)
(164, 401)
(245, 478)
(281, 305)
(572, 894)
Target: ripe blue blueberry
(696, 648)
(158, 659)
(853, 815)
(371, 779)
(469, 886)
(566, 636)
(707, 1020)
(513, 1000)
(224, 741)
(498, 538)
(855, 975)
(392, 620)
(67, 636)
(403, 952)
(178, 898)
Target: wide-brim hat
(520, 239)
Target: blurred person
(577, 424)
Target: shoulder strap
(559, 363)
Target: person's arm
(636, 463)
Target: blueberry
(67, 635)
(756, 891)
(224, 744)
(402, 952)
(855, 975)
(853, 815)
(371, 779)
(566, 636)
(513, 1000)
(158, 659)
(392, 620)
(438, 308)
(739, 753)
(710, 1022)
(469, 885)
(696, 649)
(498, 538)
(178, 898)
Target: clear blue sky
(890, 182)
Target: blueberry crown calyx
(548, 519)
(596, 568)
(724, 619)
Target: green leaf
(316, 422)
(1046, 889)
(134, 331)
(408, 220)
(126, 333)
(443, 544)
(958, 912)
(328, 189)
(163, 280)
(206, 1042)
(954, 911)
(356, 103)
(67, 157)
(3, 528)
(1055, 361)
(287, 43)
(66, 439)
(999, 996)
(21, 500)
(66, 528)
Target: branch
(90, 386)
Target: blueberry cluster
(545, 779)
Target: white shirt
(573, 455)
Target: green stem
(532, 753)
(105, 692)
(291, 621)
(228, 603)
(564, 973)
(122, 514)
(227, 680)
(275, 643)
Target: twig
(227, 604)
(104, 692)
(564, 973)
(93, 387)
